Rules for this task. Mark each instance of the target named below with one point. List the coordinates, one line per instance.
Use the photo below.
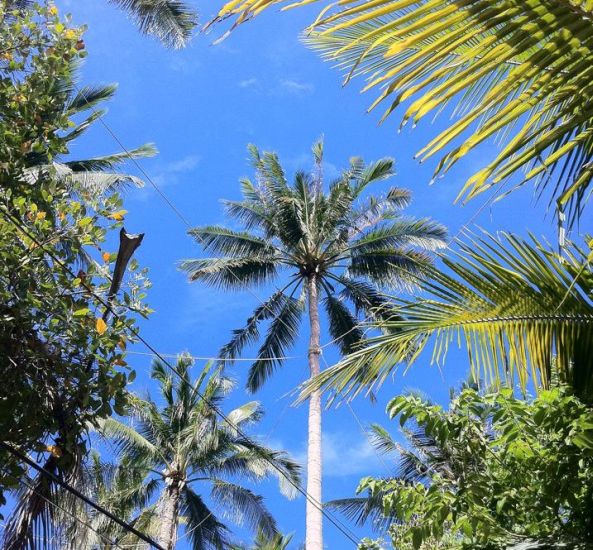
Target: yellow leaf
(122, 343)
(54, 450)
(119, 215)
(101, 326)
(41, 215)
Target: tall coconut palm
(514, 64)
(522, 310)
(335, 249)
(170, 21)
(189, 451)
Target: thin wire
(210, 358)
(76, 518)
(78, 494)
(169, 202)
(336, 522)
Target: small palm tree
(96, 175)
(187, 450)
(123, 490)
(336, 248)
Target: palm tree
(170, 21)
(417, 460)
(335, 250)
(261, 542)
(508, 64)
(184, 447)
(522, 310)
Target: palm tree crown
(351, 247)
(185, 447)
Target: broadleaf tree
(336, 247)
(492, 471)
(63, 366)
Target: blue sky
(201, 106)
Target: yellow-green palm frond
(519, 308)
(518, 69)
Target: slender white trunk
(314, 523)
(169, 514)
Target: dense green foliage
(490, 471)
(61, 365)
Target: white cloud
(344, 454)
(168, 174)
(296, 87)
(186, 164)
(249, 83)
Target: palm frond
(343, 325)
(422, 233)
(88, 97)
(246, 413)
(228, 273)
(250, 333)
(520, 66)
(129, 441)
(171, 21)
(361, 510)
(243, 506)
(231, 243)
(518, 307)
(110, 162)
(282, 332)
(203, 528)
(389, 267)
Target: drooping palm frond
(282, 333)
(171, 21)
(203, 528)
(518, 307)
(230, 272)
(243, 506)
(520, 66)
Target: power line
(337, 523)
(78, 494)
(213, 358)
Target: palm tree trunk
(169, 513)
(314, 516)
